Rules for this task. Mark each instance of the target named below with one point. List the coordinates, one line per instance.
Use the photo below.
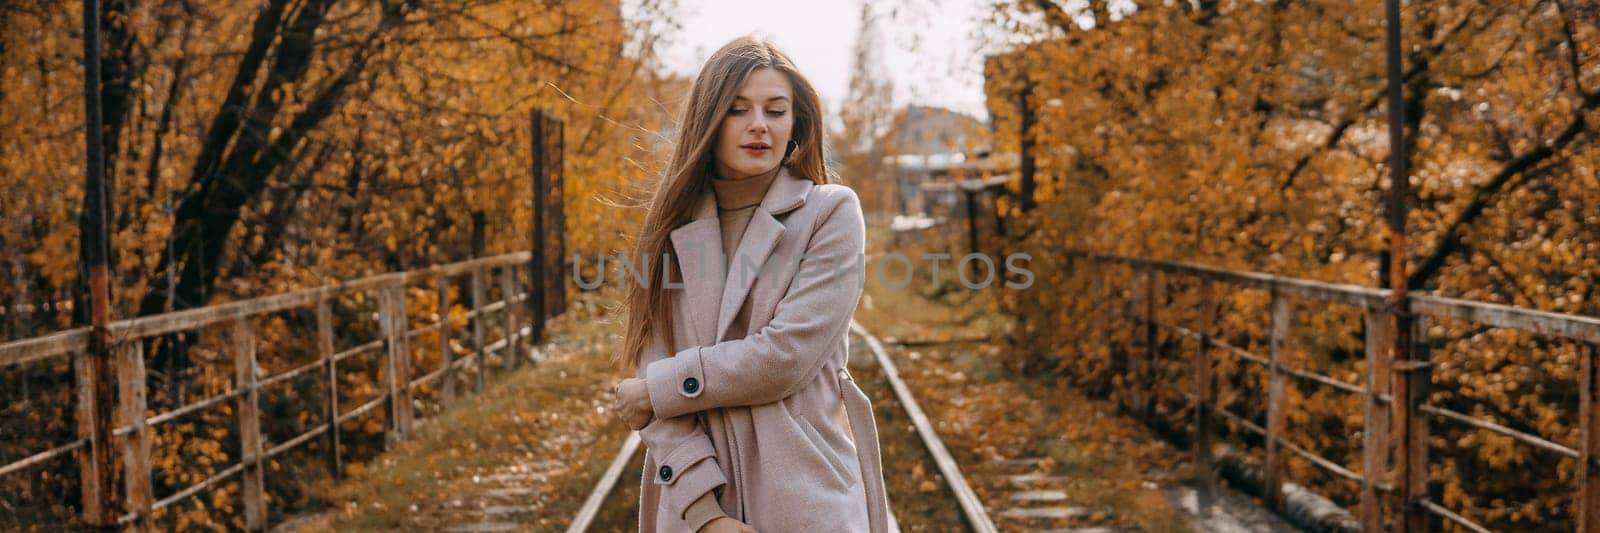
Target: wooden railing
(1392, 427)
(397, 382)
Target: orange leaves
(1257, 143)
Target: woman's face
(753, 136)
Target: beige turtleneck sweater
(736, 202)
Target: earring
(793, 145)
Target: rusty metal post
(1408, 443)
(97, 403)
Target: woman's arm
(686, 468)
(686, 463)
(772, 363)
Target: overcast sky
(934, 66)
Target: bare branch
(1449, 242)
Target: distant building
(929, 145)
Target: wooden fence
(1393, 475)
(543, 294)
(398, 380)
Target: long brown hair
(649, 309)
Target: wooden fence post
(244, 365)
(1027, 166)
(1202, 395)
(1130, 363)
(446, 355)
(556, 296)
(94, 474)
(331, 370)
(537, 262)
(1589, 450)
(1154, 289)
(402, 327)
(1375, 424)
(513, 337)
(397, 379)
(970, 199)
(136, 446)
(1410, 381)
(1272, 485)
(477, 326)
(1097, 316)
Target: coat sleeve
(686, 467)
(686, 462)
(771, 364)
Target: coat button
(666, 473)
(690, 385)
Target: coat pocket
(829, 456)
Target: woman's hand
(633, 403)
(723, 524)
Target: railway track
(1033, 499)
(977, 518)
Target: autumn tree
(264, 147)
(865, 117)
(1253, 136)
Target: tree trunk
(242, 150)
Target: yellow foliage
(1253, 137)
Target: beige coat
(767, 417)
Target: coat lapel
(760, 238)
(712, 296)
(698, 248)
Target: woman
(742, 398)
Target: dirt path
(1040, 455)
(521, 456)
